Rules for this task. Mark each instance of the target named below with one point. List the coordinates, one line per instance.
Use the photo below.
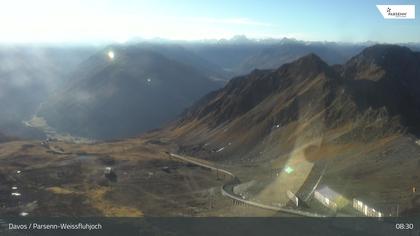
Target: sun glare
(111, 55)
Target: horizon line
(236, 39)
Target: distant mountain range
(188, 57)
(289, 50)
(227, 56)
(137, 90)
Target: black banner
(198, 226)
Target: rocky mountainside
(387, 76)
(332, 125)
(382, 79)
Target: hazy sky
(119, 20)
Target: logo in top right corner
(400, 12)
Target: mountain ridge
(305, 124)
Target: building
(365, 209)
(327, 197)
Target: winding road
(227, 189)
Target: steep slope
(308, 125)
(265, 99)
(133, 91)
(387, 75)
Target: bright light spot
(24, 213)
(288, 169)
(149, 80)
(111, 55)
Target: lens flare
(111, 55)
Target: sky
(78, 21)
